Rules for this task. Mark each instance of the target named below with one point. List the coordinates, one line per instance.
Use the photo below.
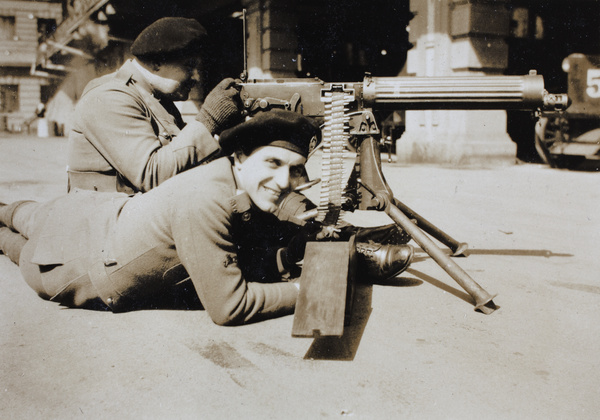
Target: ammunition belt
(335, 138)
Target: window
(9, 98)
(520, 22)
(7, 27)
(45, 27)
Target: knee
(31, 273)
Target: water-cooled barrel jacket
(133, 246)
(120, 127)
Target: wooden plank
(324, 289)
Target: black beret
(169, 37)
(278, 128)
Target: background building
(339, 40)
(22, 24)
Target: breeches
(58, 283)
(62, 283)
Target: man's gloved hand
(295, 208)
(294, 252)
(222, 107)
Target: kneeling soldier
(114, 251)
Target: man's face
(267, 173)
(177, 78)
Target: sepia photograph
(277, 209)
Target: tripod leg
(457, 247)
(372, 180)
(483, 300)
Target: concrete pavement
(416, 349)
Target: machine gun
(346, 113)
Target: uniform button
(109, 301)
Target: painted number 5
(593, 83)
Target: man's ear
(238, 159)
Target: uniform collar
(240, 202)
(131, 74)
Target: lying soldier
(112, 251)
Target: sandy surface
(415, 350)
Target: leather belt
(97, 181)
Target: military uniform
(88, 246)
(124, 139)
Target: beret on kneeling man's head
(169, 38)
(277, 127)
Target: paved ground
(416, 349)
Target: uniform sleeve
(203, 239)
(119, 126)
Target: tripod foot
(487, 307)
(460, 249)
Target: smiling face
(267, 174)
(175, 79)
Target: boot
(11, 244)
(388, 234)
(7, 212)
(382, 261)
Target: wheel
(547, 132)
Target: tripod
(372, 184)
(327, 284)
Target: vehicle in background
(571, 138)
